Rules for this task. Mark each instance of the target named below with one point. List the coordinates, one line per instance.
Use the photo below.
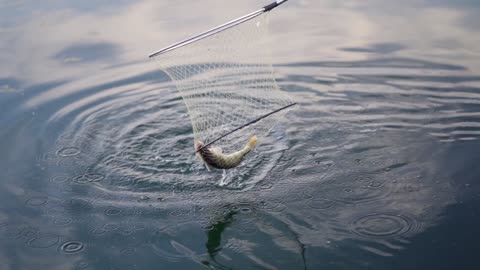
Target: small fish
(215, 158)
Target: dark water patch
(9, 85)
(380, 48)
(78, 205)
(358, 150)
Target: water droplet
(60, 178)
(37, 201)
(68, 152)
(272, 205)
(128, 251)
(306, 195)
(79, 205)
(110, 227)
(375, 184)
(143, 198)
(44, 241)
(266, 185)
(245, 209)
(81, 264)
(382, 225)
(320, 203)
(62, 221)
(72, 247)
(89, 178)
(247, 228)
(98, 231)
(112, 211)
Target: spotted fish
(214, 157)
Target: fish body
(214, 157)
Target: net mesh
(227, 81)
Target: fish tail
(252, 142)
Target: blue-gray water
(377, 168)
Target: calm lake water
(376, 168)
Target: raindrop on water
(382, 225)
(44, 241)
(72, 247)
(37, 201)
(68, 152)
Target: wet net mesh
(227, 81)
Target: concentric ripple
(68, 151)
(44, 241)
(88, 178)
(97, 168)
(357, 187)
(320, 203)
(382, 225)
(37, 201)
(72, 247)
(141, 142)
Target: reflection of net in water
(226, 80)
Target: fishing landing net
(226, 80)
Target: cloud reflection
(379, 84)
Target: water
(375, 169)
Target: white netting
(226, 81)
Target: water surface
(375, 169)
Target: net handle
(219, 28)
(245, 125)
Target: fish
(214, 157)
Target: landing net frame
(214, 31)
